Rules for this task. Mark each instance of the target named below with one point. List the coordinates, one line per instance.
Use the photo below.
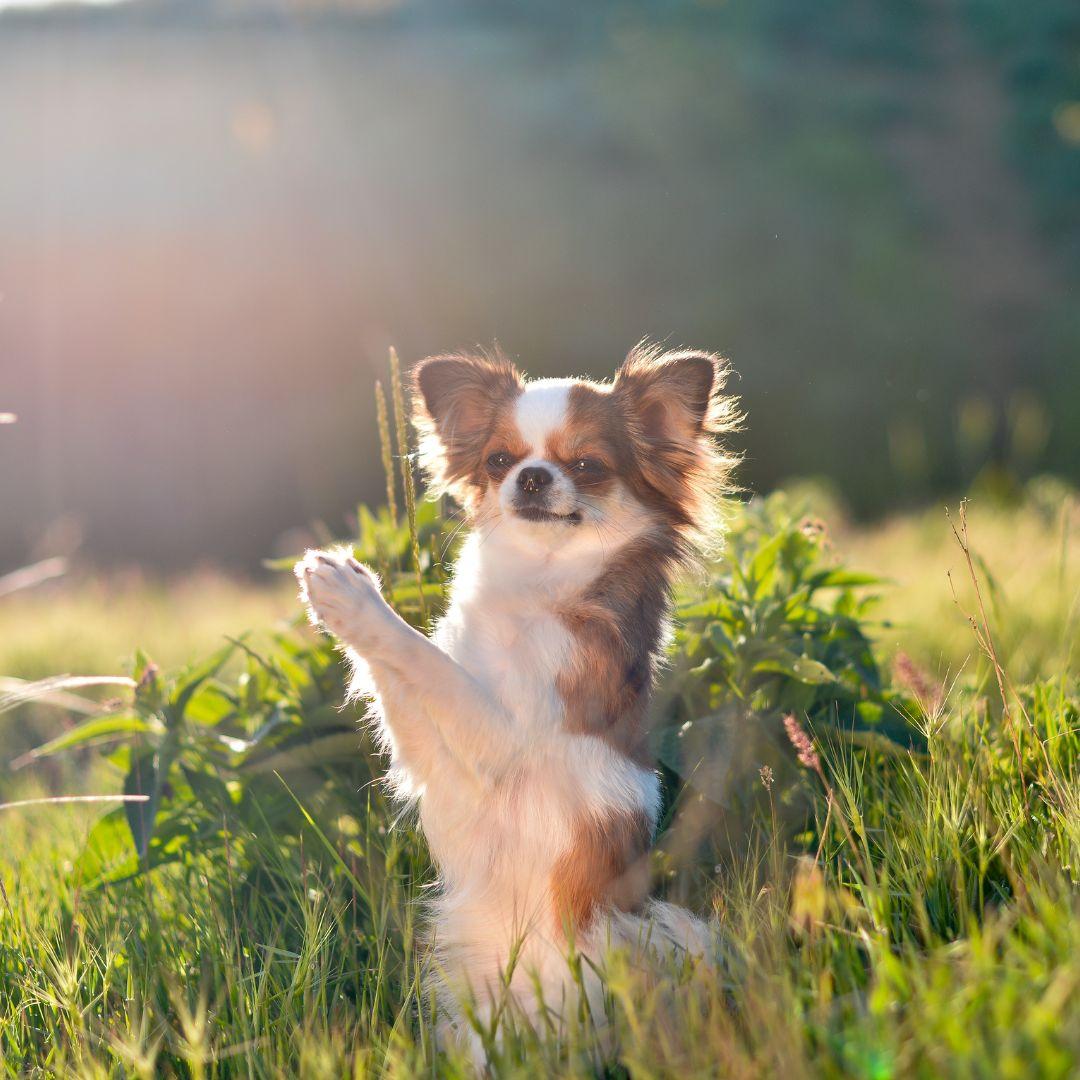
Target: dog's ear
(673, 407)
(670, 398)
(456, 400)
(460, 394)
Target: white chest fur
(503, 625)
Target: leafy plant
(776, 627)
(781, 628)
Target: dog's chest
(515, 647)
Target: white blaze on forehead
(541, 409)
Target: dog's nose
(533, 479)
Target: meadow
(868, 733)
(891, 871)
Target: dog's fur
(520, 725)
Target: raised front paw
(340, 593)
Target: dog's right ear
(456, 400)
(458, 391)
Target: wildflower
(804, 746)
(767, 777)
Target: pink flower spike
(801, 741)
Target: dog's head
(552, 455)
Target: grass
(922, 920)
(1030, 564)
(943, 938)
(89, 621)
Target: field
(216, 218)
(902, 901)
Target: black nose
(533, 479)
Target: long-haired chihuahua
(520, 725)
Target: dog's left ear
(670, 397)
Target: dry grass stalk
(386, 449)
(407, 483)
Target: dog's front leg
(434, 708)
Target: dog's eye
(500, 461)
(588, 467)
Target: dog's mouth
(534, 513)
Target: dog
(520, 725)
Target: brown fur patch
(618, 625)
(504, 436)
(592, 429)
(605, 866)
(459, 404)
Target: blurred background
(215, 216)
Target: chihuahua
(519, 727)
